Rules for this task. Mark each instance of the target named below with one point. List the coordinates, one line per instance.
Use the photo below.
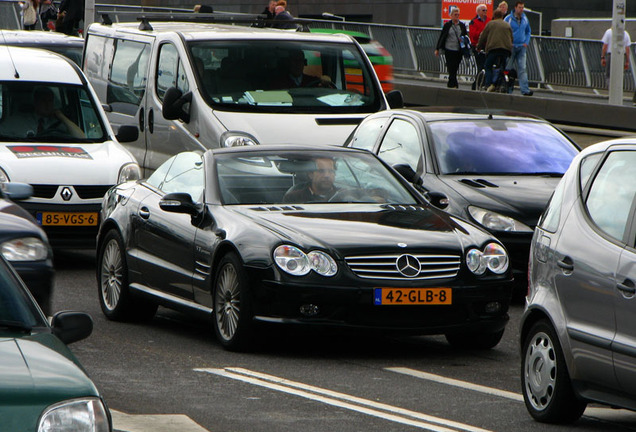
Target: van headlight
(81, 415)
(237, 139)
(24, 249)
(492, 257)
(295, 262)
(129, 172)
(4, 178)
(497, 222)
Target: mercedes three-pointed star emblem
(408, 266)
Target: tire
(546, 386)
(115, 299)
(480, 81)
(232, 310)
(475, 340)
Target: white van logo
(66, 193)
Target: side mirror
(127, 133)
(407, 172)
(178, 202)
(395, 99)
(173, 102)
(17, 191)
(71, 327)
(437, 199)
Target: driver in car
(319, 188)
(45, 119)
(296, 76)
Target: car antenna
(15, 69)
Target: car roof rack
(254, 20)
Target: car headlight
(237, 139)
(129, 172)
(78, 415)
(25, 249)
(493, 257)
(497, 222)
(4, 178)
(295, 262)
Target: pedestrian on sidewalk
(606, 54)
(449, 42)
(496, 40)
(475, 27)
(520, 39)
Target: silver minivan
(192, 86)
(578, 337)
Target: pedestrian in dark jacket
(71, 13)
(449, 42)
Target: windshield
(48, 112)
(307, 177)
(17, 310)
(500, 147)
(285, 77)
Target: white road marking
(341, 400)
(457, 383)
(123, 422)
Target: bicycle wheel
(480, 81)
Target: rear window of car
(501, 147)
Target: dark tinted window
(501, 146)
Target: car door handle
(144, 213)
(566, 264)
(627, 289)
(151, 120)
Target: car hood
(521, 197)
(86, 163)
(36, 372)
(313, 129)
(349, 228)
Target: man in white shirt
(606, 52)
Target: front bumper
(480, 308)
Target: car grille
(84, 192)
(386, 266)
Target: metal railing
(551, 61)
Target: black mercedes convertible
(293, 235)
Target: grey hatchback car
(578, 338)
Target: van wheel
(115, 299)
(475, 340)
(232, 317)
(546, 386)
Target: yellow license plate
(67, 218)
(413, 296)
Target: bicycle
(503, 80)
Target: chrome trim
(385, 266)
(171, 298)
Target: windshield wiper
(15, 326)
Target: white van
(191, 85)
(54, 135)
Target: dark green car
(43, 387)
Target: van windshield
(48, 112)
(283, 76)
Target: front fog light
(322, 263)
(292, 260)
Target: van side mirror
(17, 191)
(173, 102)
(127, 133)
(395, 99)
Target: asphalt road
(171, 375)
